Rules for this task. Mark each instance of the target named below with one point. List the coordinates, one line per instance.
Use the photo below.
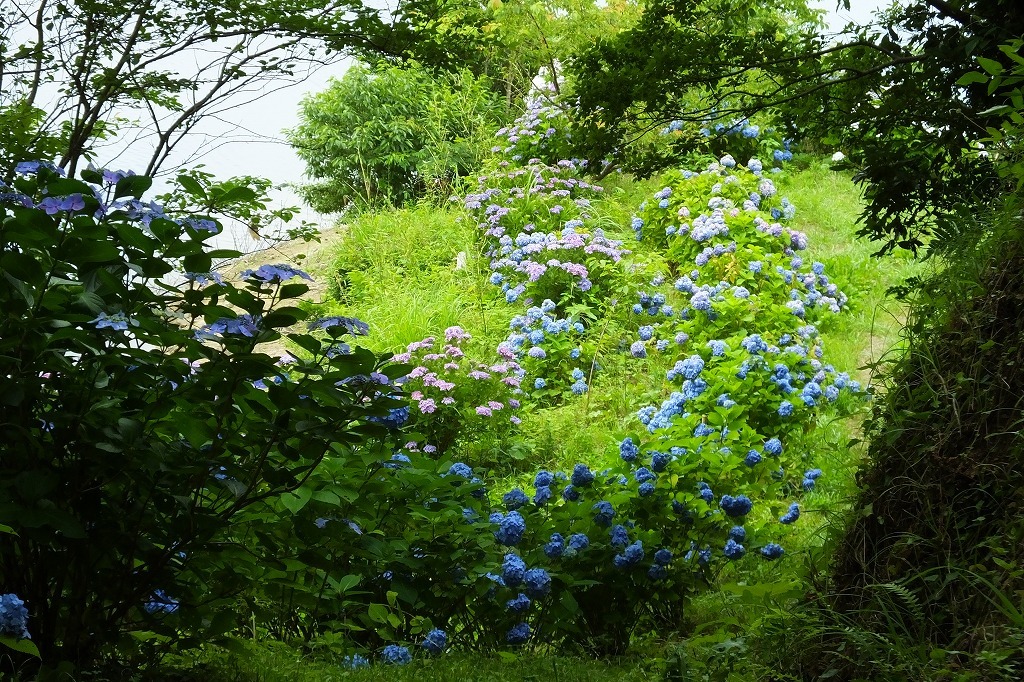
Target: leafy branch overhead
(887, 93)
(71, 71)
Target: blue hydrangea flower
(511, 529)
(435, 641)
(785, 408)
(394, 654)
(646, 489)
(513, 569)
(577, 374)
(631, 556)
(660, 461)
(519, 634)
(619, 536)
(734, 550)
(772, 551)
(514, 499)
(570, 493)
(638, 350)
(578, 542)
(738, 533)
(542, 496)
(704, 492)
(14, 617)
(518, 605)
(603, 513)
(161, 603)
(543, 478)
(274, 273)
(117, 321)
(643, 474)
(662, 557)
(718, 348)
(773, 447)
(539, 383)
(354, 661)
(736, 506)
(578, 387)
(792, 515)
(753, 458)
(646, 333)
(628, 450)
(555, 547)
(461, 470)
(538, 582)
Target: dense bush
(142, 421)
(388, 134)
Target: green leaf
(132, 185)
(296, 500)
(24, 646)
(990, 65)
(972, 77)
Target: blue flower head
(736, 506)
(582, 476)
(513, 569)
(14, 617)
(542, 496)
(603, 513)
(619, 536)
(435, 641)
(734, 550)
(519, 634)
(791, 515)
(514, 499)
(518, 605)
(662, 557)
(555, 547)
(354, 661)
(510, 530)
(570, 493)
(538, 582)
(543, 478)
(738, 533)
(628, 450)
(660, 461)
(631, 556)
(394, 654)
(578, 542)
(772, 551)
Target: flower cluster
(13, 617)
(449, 392)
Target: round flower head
(519, 634)
(578, 542)
(518, 605)
(513, 569)
(582, 476)
(603, 513)
(538, 582)
(772, 551)
(510, 530)
(736, 506)
(394, 654)
(619, 536)
(435, 641)
(628, 450)
(514, 499)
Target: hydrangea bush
(452, 395)
(147, 421)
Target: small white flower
(838, 156)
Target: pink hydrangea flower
(428, 406)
